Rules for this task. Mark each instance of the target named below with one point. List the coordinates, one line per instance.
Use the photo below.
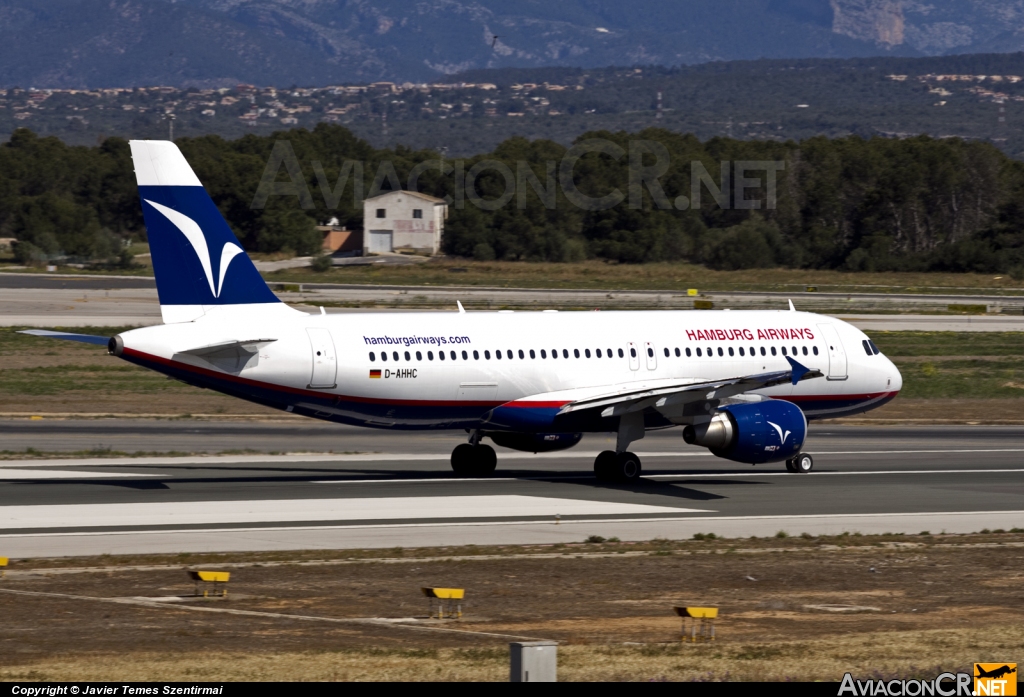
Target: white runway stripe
(503, 456)
(7, 474)
(311, 510)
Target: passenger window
(650, 352)
(487, 355)
(430, 355)
(773, 350)
(610, 353)
(711, 351)
(783, 351)
(805, 350)
(741, 350)
(621, 354)
(407, 356)
(815, 350)
(698, 352)
(688, 352)
(543, 353)
(632, 352)
(497, 354)
(476, 355)
(532, 354)
(730, 351)
(586, 352)
(464, 356)
(565, 353)
(394, 354)
(384, 356)
(419, 356)
(720, 352)
(598, 352)
(576, 353)
(794, 350)
(762, 350)
(677, 352)
(508, 354)
(523, 355)
(554, 353)
(440, 354)
(372, 357)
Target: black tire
(486, 461)
(628, 468)
(604, 465)
(463, 459)
(790, 467)
(803, 463)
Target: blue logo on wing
(194, 234)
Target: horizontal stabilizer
(249, 346)
(68, 336)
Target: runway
(39, 300)
(396, 490)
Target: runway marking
(21, 474)
(497, 523)
(704, 475)
(413, 457)
(308, 510)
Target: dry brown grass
(906, 654)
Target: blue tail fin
(196, 258)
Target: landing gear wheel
(604, 465)
(789, 465)
(627, 467)
(474, 460)
(803, 463)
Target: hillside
(215, 43)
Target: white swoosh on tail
(194, 234)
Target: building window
(381, 213)
(417, 212)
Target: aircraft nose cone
(894, 376)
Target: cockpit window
(867, 347)
(873, 347)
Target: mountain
(210, 43)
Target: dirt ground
(901, 606)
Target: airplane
(742, 384)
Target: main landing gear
(474, 460)
(617, 467)
(801, 464)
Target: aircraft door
(634, 356)
(836, 354)
(651, 355)
(325, 364)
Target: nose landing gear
(801, 464)
(617, 467)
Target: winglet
(791, 308)
(798, 371)
(462, 310)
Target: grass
(889, 655)
(656, 276)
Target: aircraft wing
(623, 399)
(68, 336)
(618, 403)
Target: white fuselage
(323, 365)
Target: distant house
(403, 221)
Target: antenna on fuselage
(462, 310)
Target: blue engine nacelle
(536, 442)
(760, 432)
